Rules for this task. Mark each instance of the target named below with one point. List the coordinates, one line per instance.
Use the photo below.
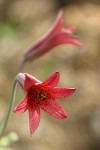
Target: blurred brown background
(22, 22)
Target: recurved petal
(52, 80)
(69, 30)
(63, 38)
(59, 93)
(22, 107)
(34, 117)
(72, 40)
(21, 79)
(29, 82)
(54, 109)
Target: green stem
(9, 109)
(6, 119)
(22, 65)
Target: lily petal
(57, 24)
(39, 44)
(62, 38)
(59, 93)
(22, 107)
(69, 30)
(52, 80)
(57, 39)
(54, 109)
(52, 38)
(34, 117)
(29, 82)
(21, 79)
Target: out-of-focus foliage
(9, 139)
(5, 148)
(8, 28)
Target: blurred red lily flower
(41, 95)
(54, 37)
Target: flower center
(37, 94)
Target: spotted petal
(22, 107)
(34, 117)
(52, 80)
(60, 93)
(54, 109)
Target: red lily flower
(41, 95)
(54, 37)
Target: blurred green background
(22, 22)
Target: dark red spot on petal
(37, 94)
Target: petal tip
(76, 42)
(31, 134)
(69, 30)
(60, 13)
(65, 116)
(15, 110)
(73, 90)
(57, 73)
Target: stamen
(37, 94)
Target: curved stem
(9, 109)
(6, 119)
(22, 65)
